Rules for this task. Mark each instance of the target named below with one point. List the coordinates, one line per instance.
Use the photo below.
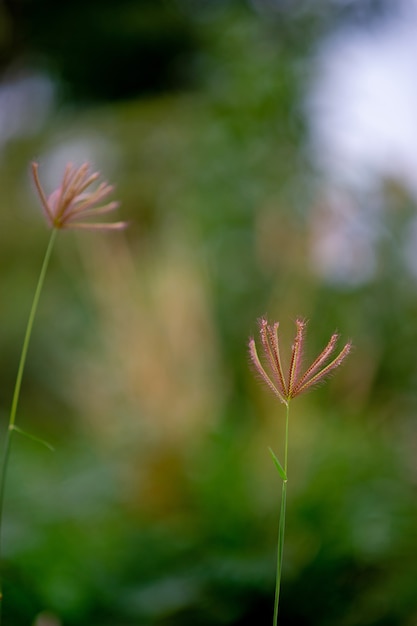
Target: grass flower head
(71, 204)
(296, 381)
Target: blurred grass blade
(278, 465)
(33, 438)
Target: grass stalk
(16, 394)
(281, 531)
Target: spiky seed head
(297, 382)
(70, 205)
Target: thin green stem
(16, 394)
(281, 532)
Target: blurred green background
(160, 505)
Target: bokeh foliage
(159, 505)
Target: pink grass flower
(71, 204)
(295, 382)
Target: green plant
(65, 208)
(286, 388)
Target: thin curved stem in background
(16, 394)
